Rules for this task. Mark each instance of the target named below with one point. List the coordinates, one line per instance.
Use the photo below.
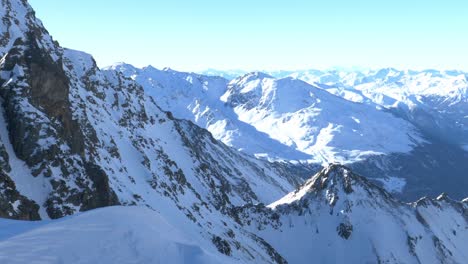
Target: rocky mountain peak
(335, 175)
(19, 22)
(335, 183)
(340, 209)
(254, 76)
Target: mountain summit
(340, 217)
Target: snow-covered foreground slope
(108, 236)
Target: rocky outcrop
(35, 92)
(12, 204)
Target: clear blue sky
(260, 34)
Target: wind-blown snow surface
(108, 236)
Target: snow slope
(110, 235)
(434, 101)
(315, 122)
(197, 98)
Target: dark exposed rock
(345, 230)
(48, 91)
(4, 159)
(275, 256)
(102, 194)
(11, 198)
(222, 245)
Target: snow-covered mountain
(340, 217)
(198, 98)
(316, 122)
(74, 138)
(434, 101)
(289, 119)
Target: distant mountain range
(406, 130)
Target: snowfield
(108, 236)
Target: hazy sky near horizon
(263, 35)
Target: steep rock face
(42, 131)
(339, 217)
(170, 165)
